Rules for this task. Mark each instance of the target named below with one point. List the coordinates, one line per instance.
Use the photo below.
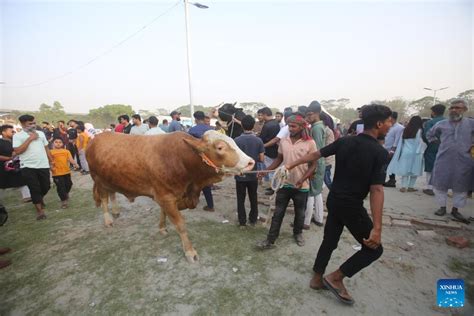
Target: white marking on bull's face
(244, 163)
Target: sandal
(337, 293)
(40, 217)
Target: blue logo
(450, 293)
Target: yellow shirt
(84, 143)
(61, 162)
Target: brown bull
(170, 169)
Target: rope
(278, 179)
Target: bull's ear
(197, 145)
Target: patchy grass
(71, 264)
(466, 270)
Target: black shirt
(6, 149)
(360, 162)
(72, 133)
(8, 179)
(127, 129)
(353, 127)
(269, 131)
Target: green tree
(186, 111)
(340, 109)
(107, 114)
(50, 114)
(251, 108)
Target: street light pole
(188, 50)
(434, 93)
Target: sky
(277, 52)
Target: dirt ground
(71, 264)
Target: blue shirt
(175, 126)
(199, 130)
(252, 146)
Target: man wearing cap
(175, 125)
(198, 131)
(315, 199)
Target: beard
(455, 117)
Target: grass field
(71, 264)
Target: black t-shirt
(72, 133)
(353, 127)
(47, 133)
(269, 131)
(127, 129)
(360, 162)
(8, 179)
(6, 149)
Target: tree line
(103, 116)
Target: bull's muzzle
(249, 166)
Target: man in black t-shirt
(360, 168)
(353, 127)
(269, 131)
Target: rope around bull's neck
(277, 181)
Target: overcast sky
(277, 52)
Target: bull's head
(222, 152)
(227, 110)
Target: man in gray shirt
(138, 127)
(175, 125)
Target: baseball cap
(314, 107)
(174, 113)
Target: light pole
(188, 49)
(434, 93)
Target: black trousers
(242, 187)
(37, 181)
(71, 146)
(356, 219)
(63, 186)
(207, 191)
(283, 197)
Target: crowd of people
(308, 143)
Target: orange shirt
(291, 152)
(85, 141)
(61, 161)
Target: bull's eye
(220, 148)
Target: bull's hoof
(116, 215)
(192, 256)
(163, 231)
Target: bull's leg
(162, 226)
(115, 208)
(104, 199)
(171, 209)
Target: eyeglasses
(456, 107)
